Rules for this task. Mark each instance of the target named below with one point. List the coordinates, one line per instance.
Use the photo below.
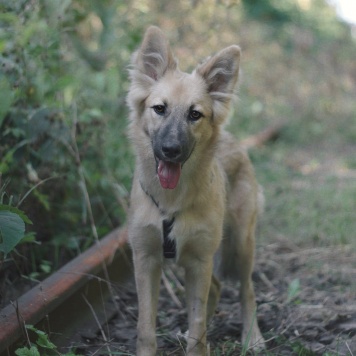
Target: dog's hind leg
(251, 335)
(237, 253)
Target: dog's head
(179, 112)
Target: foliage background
(63, 83)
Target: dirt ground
(306, 306)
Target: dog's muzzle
(172, 147)
(169, 164)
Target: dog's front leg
(147, 275)
(197, 278)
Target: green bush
(63, 116)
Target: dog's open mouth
(168, 174)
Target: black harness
(169, 245)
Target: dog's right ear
(154, 57)
(149, 64)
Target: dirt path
(306, 298)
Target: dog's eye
(159, 109)
(195, 115)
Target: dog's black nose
(171, 150)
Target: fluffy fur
(176, 123)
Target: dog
(194, 196)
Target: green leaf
(12, 229)
(25, 351)
(43, 199)
(19, 212)
(293, 289)
(46, 267)
(30, 237)
(44, 342)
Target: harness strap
(169, 245)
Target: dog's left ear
(220, 73)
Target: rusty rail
(57, 302)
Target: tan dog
(194, 195)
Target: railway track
(65, 301)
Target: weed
(12, 224)
(42, 347)
(44, 84)
(293, 290)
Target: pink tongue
(168, 174)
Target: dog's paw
(196, 349)
(253, 340)
(146, 346)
